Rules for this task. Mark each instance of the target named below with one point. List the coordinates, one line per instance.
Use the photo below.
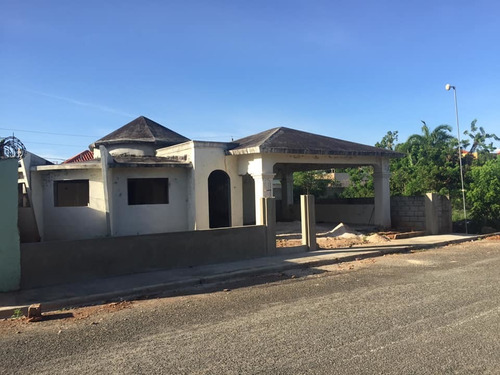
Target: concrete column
(437, 218)
(308, 221)
(268, 212)
(107, 183)
(381, 175)
(10, 251)
(263, 189)
(431, 220)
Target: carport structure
(277, 153)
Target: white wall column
(107, 184)
(381, 175)
(263, 189)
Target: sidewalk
(143, 284)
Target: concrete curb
(176, 286)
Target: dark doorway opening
(248, 200)
(219, 199)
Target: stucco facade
(193, 185)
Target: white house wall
(185, 152)
(64, 223)
(149, 218)
(207, 160)
(207, 157)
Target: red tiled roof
(81, 157)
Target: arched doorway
(219, 199)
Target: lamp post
(448, 87)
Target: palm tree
(421, 147)
(478, 137)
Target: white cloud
(81, 103)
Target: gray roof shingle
(142, 130)
(290, 141)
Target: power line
(40, 132)
(52, 144)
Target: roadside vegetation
(431, 164)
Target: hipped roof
(142, 130)
(290, 141)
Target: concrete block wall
(408, 213)
(60, 262)
(339, 213)
(430, 213)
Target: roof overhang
(285, 150)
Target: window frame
(148, 193)
(60, 201)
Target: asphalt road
(430, 312)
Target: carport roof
(290, 141)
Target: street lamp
(448, 87)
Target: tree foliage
(483, 194)
(430, 163)
(309, 182)
(361, 183)
(479, 139)
(388, 141)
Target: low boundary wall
(50, 263)
(408, 213)
(430, 213)
(352, 211)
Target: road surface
(429, 312)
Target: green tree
(430, 164)
(478, 139)
(309, 182)
(360, 183)
(483, 195)
(388, 141)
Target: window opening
(71, 193)
(147, 191)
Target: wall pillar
(107, 184)
(308, 221)
(381, 175)
(437, 214)
(268, 212)
(263, 189)
(10, 251)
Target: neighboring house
(144, 178)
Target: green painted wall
(10, 254)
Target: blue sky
(216, 70)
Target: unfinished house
(144, 178)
